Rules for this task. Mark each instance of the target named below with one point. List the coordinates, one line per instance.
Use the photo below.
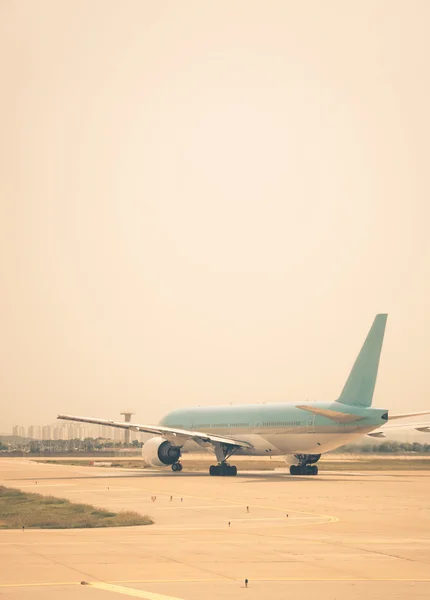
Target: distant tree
(405, 446)
(89, 444)
(34, 447)
(386, 447)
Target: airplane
(399, 431)
(300, 433)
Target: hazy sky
(205, 202)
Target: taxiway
(338, 535)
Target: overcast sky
(207, 202)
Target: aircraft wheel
(176, 467)
(294, 470)
(227, 470)
(314, 470)
(214, 470)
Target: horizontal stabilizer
(406, 415)
(334, 415)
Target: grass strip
(21, 509)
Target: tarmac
(338, 535)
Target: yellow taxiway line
(126, 591)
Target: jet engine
(158, 452)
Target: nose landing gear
(177, 467)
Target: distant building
(47, 432)
(34, 432)
(105, 432)
(86, 432)
(59, 433)
(74, 432)
(18, 430)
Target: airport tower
(127, 418)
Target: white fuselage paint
(277, 429)
(287, 443)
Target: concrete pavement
(345, 535)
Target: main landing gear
(304, 470)
(305, 466)
(223, 469)
(177, 467)
(223, 453)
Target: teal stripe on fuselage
(262, 418)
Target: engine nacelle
(158, 452)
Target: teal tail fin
(359, 387)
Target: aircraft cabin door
(311, 424)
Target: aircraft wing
(405, 415)
(423, 427)
(380, 433)
(176, 437)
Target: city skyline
(70, 431)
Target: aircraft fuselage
(279, 429)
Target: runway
(332, 536)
